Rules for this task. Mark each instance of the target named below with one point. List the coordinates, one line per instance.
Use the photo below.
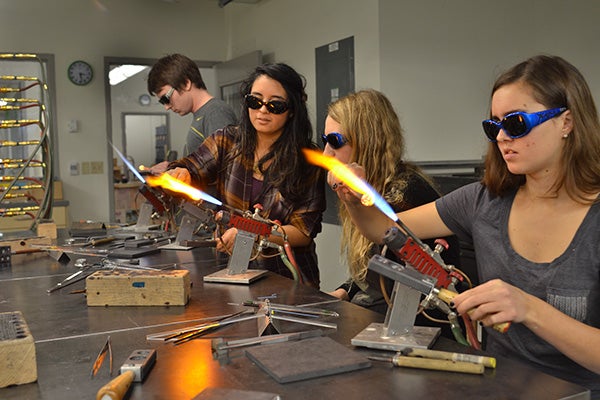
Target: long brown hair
(289, 171)
(555, 83)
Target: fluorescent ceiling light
(123, 72)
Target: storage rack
(25, 142)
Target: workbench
(68, 336)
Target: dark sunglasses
(518, 124)
(335, 140)
(273, 106)
(165, 99)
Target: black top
(418, 191)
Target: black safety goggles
(273, 106)
(165, 99)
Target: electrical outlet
(73, 126)
(96, 167)
(74, 168)
(85, 168)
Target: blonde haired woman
(363, 128)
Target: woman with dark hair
(260, 162)
(533, 222)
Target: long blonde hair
(371, 126)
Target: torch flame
(369, 195)
(127, 163)
(168, 182)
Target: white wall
(289, 31)
(435, 59)
(91, 30)
(439, 60)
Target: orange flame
(341, 172)
(168, 182)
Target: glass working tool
(106, 350)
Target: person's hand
(159, 168)
(346, 194)
(181, 174)
(494, 302)
(226, 241)
(340, 294)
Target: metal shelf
(25, 142)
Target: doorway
(130, 97)
(134, 119)
(146, 138)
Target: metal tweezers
(106, 349)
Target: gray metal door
(335, 75)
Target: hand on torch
(347, 180)
(156, 169)
(178, 180)
(181, 174)
(345, 192)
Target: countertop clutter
(68, 334)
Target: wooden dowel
(438, 365)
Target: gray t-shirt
(213, 115)
(570, 283)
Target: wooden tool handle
(439, 365)
(96, 242)
(447, 295)
(489, 362)
(117, 388)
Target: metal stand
(144, 221)
(267, 324)
(237, 268)
(186, 230)
(192, 218)
(398, 330)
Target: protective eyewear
(165, 99)
(273, 106)
(335, 140)
(518, 124)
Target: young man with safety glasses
(176, 81)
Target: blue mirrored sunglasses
(518, 124)
(335, 140)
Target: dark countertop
(68, 336)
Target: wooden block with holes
(26, 244)
(17, 351)
(138, 288)
(25, 249)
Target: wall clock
(144, 99)
(80, 72)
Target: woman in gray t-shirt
(534, 222)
